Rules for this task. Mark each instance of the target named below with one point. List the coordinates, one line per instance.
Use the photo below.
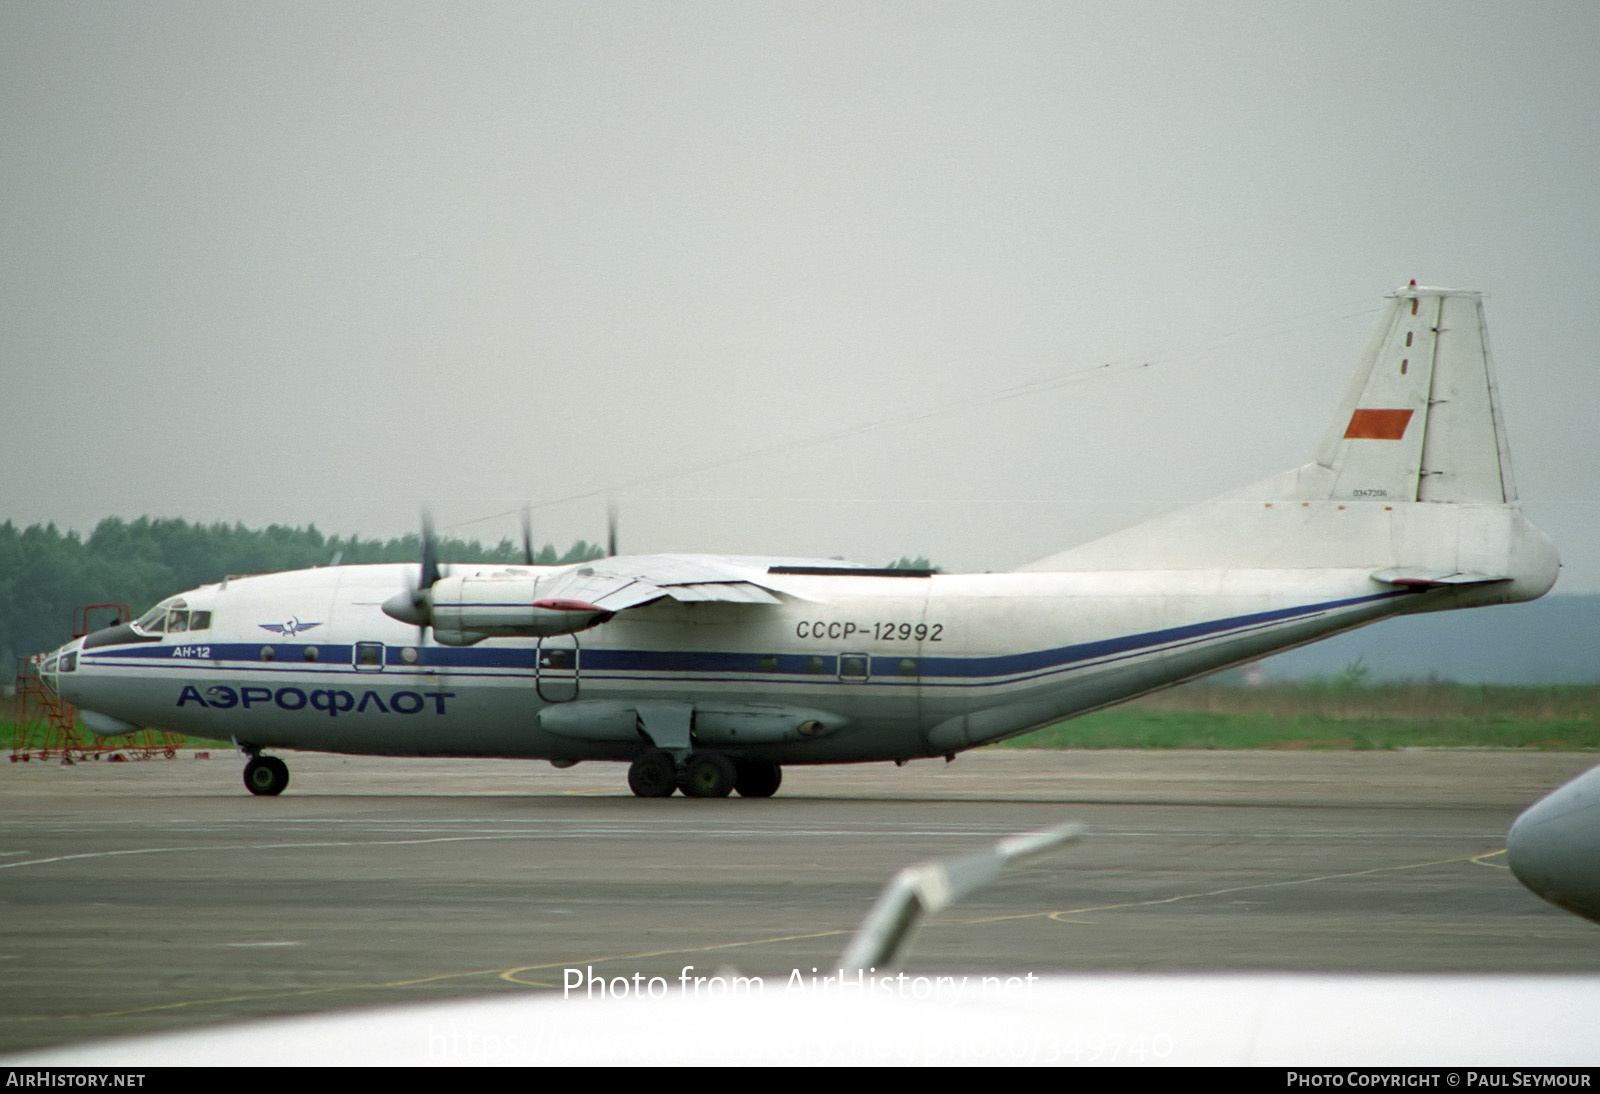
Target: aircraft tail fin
(1422, 419)
(1412, 484)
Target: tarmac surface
(159, 895)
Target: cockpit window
(172, 617)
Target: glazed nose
(47, 671)
(54, 665)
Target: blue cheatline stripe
(1011, 663)
(799, 667)
(330, 656)
(1087, 662)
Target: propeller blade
(430, 554)
(429, 573)
(414, 605)
(611, 529)
(527, 536)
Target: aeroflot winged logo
(289, 629)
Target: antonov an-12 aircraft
(707, 673)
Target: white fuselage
(894, 667)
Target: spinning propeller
(527, 533)
(415, 605)
(465, 623)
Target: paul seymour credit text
(1459, 1078)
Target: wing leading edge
(524, 602)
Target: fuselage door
(555, 668)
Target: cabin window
(369, 656)
(309, 653)
(769, 663)
(268, 653)
(853, 665)
(908, 666)
(814, 664)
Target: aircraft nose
(53, 664)
(47, 672)
(1554, 846)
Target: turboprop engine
(505, 604)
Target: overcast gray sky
(331, 262)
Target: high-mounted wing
(519, 602)
(615, 584)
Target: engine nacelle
(506, 604)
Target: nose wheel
(266, 776)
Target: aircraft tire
(266, 776)
(709, 775)
(757, 778)
(652, 775)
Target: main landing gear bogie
(708, 775)
(655, 773)
(266, 776)
(757, 778)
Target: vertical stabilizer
(1422, 419)
(1412, 484)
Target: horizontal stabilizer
(1427, 579)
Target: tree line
(46, 575)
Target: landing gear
(708, 775)
(266, 776)
(653, 775)
(756, 778)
